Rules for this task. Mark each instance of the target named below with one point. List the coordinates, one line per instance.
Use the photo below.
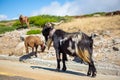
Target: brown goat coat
(33, 41)
(24, 19)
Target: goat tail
(83, 54)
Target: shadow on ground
(27, 56)
(68, 71)
(21, 27)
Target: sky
(11, 9)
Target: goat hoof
(64, 69)
(93, 75)
(88, 74)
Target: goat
(33, 41)
(24, 19)
(74, 44)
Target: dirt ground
(10, 70)
(108, 30)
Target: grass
(33, 32)
(37, 21)
(4, 29)
(100, 13)
(6, 26)
(90, 24)
(40, 20)
(86, 24)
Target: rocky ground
(14, 70)
(106, 52)
(106, 46)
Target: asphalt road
(10, 70)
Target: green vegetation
(93, 14)
(6, 21)
(34, 32)
(37, 21)
(4, 29)
(40, 20)
(6, 26)
(2, 25)
(17, 23)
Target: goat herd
(74, 44)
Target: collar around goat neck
(51, 32)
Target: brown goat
(24, 19)
(34, 41)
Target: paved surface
(10, 70)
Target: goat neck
(51, 33)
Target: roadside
(39, 72)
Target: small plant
(34, 32)
(17, 23)
(4, 29)
(90, 15)
(40, 20)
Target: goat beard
(49, 42)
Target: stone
(115, 49)
(19, 49)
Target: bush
(34, 32)
(3, 25)
(90, 15)
(42, 19)
(4, 29)
(17, 23)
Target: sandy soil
(38, 72)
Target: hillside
(35, 21)
(108, 30)
(92, 24)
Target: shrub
(34, 32)
(4, 29)
(90, 15)
(17, 23)
(40, 20)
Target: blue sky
(11, 9)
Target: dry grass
(99, 25)
(91, 24)
(9, 23)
